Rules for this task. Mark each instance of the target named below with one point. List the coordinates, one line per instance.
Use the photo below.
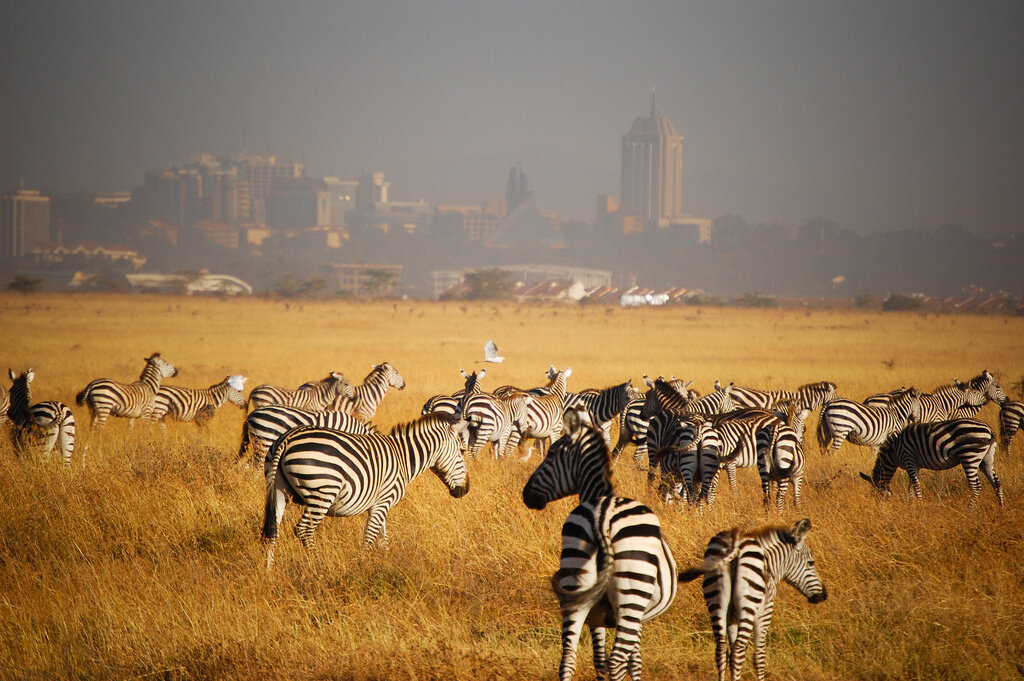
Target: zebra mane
(429, 419)
(818, 385)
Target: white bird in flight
(491, 353)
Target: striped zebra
(196, 404)
(493, 419)
(615, 569)
(985, 383)
(603, 406)
(449, 404)
(1011, 420)
(543, 420)
(690, 465)
(946, 401)
(811, 396)
(884, 399)
(743, 439)
(5, 404)
(265, 425)
(868, 426)
(742, 571)
(780, 463)
(314, 395)
(129, 400)
(939, 446)
(633, 427)
(39, 426)
(368, 396)
(344, 474)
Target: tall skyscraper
(24, 222)
(652, 170)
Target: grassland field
(147, 562)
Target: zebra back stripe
(265, 425)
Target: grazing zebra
(130, 400)
(343, 474)
(869, 426)
(368, 396)
(1011, 420)
(939, 446)
(196, 404)
(615, 568)
(742, 571)
(313, 396)
(543, 420)
(603, 406)
(781, 461)
(449, 404)
(39, 426)
(493, 419)
(265, 425)
(811, 396)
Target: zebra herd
(319, 449)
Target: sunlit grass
(148, 561)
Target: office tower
(24, 222)
(652, 170)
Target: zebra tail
(824, 436)
(81, 397)
(244, 447)
(270, 506)
(730, 548)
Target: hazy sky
(880, 115)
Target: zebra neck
(150, 377)
(21, 398)
(593, 489)
(218, 394)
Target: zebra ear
(10, 372)
(799, 531)
(867, 477)
(462, 372)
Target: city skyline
(879, 117)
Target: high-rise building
(652, 170)
(24, 222)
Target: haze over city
(880, 116)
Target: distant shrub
(866, 301)
(755, 300)
(25, 284)
(898, 302)
(704, 300)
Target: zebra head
(165, 368)
(799, 569)
(340, 385)
(987, 383)
(236, 384)
(518, 403)
(578, 462)
(394, 379)
(908, 405)
(448, 451)
(881, 474)
(28, 376)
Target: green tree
(490, 283)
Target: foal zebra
(196, 404)
(130, 400)
(314, 396)
(869, 426)
(368, 396)
(939, 446)
(41, 425)
(742, 571)
(344, 474)
(265, 425)
(615, 569)
(1011, 420)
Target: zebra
(5, 404)
(869, 426)
(615, 569)
(449, 404)
(543, 420)
(130, 400)
(344, 474)
(690, 466)
(603, 406)
(780, 461)
(493, 419)
(263, 426)
(633, 427)
(196, 404)
(946, 401)
(368, 396)
(939, 445)
(1011, 420)
(314, 395)
(884, 399)
(985, 383)
(742, 571)
(811, 396)
(42, 425)
(744, 443)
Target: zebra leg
(636, 664)
(572, 627)
(376, 528)
(915, 480)
(598, 637)
(780, 497)
(989, 469)
(312, 515)
(730, 471)
(760, 637)
(796, 490)
(974, 482)
(627, 641)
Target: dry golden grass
(148, 562)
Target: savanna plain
(147, 562)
